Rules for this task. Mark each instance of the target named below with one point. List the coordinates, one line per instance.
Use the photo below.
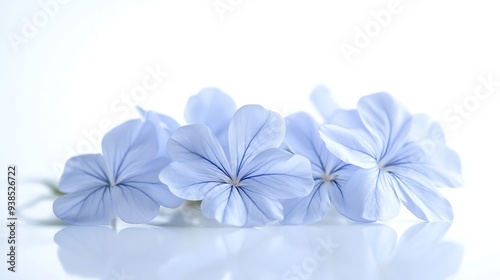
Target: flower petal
(386, 120)
(369, 196)
(240, 206)
(92, 207)
(343, 194)
(421, 197)
(278, 174)
(129, 146)
(199, 162)
(166, 125)
(311, 208)
(213, 108)
(252, 130)
(324, 103)
(224, 204)
(302, 138)
(261, 209)
(347, 119)
(135, 206)
(84, 172)
(423, 127)
(164, 122)
(147, 180)
(353, 146)
(193, 180)
(435, 161)
(197, 143)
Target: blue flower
(122, 181)
(386, 142)
(242, 188)
(330, 173)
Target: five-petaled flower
(385, 141)
(330, 173)
(122, 181)
(244, 187)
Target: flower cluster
(250, 166)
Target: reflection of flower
(122, 181)
(382, 139)
(352, 251)
(330, 174)
(374, 252)
(244, 187)
(99, 252)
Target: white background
(89, 56)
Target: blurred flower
(330, 173)
(122, 181)
(165, 127)
(101, 253)
(324, 103)
(330, 111)
(213, 108)
(350, 251)
(243, 187)
(383, 139)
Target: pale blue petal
(323, 101)
(213, 108)
(165, 124)
(425, 128)
(421, 197)
(197, 143)
(135, 206)
(147, 180)
(278, 174)
(311, 208)
(302, 138)
(158, 192)
(253, 130)
(370, 196)
(192, 180)
(437, 162)
(129, 146)
(428, 154)
(199, 163)
(93, 207)
(343, 195)
(240, 206)
(347, 119)
(261, 208)
(353, 146)
(84, 172)
(224, 204)
(386, 120)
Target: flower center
(327, 178)
(382, 166)
(234, 181)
